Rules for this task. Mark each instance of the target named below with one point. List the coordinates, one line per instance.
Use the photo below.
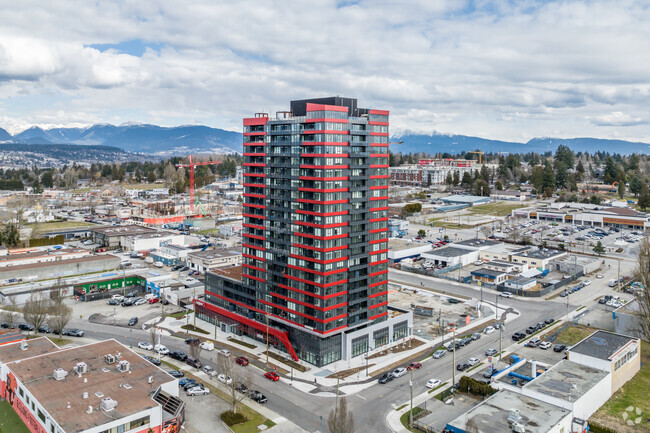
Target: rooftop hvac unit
(514, 416)
(81, 368)
(518, 427)
(108, 404)
(110, 359)
(123, 366)
(60, 374)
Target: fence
(42, 242)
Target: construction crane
(191, 165)
(480, 155)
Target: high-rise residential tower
(315, 234)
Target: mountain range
(182, 140)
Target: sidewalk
(314, 380)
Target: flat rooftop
(567, 380)
(234, 273)
(487, 273)
(465, 198)
(63, 399)
(602, 344)
(41, 253)
(216, 253)
(403, 244)
(542, 253)
(502, 248)
(447, 252)
(501, 263)
(492, 414)
(69, 261)
(520, 280)
(38, 346)
(130, 230)
(478, 243)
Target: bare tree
(240, 378)
(642, 275)
(514, 234)
(35, 310)
(340, 420)
(153, 335)
(8, 313)
(195, 350)
(61, 315)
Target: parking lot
(100, 312)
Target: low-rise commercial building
(451, 256)
(489, 277)
(537, 257)
(590, 215)
(617, 354)
(214, 258)
(112, 237)
(510, 195)
(30, 256)
(152, 241)
(400, 249)
(95, 388)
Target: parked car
(45, 329)
(518, 336)
(586, 282)
(175, 373)
(534, 342)
(161, 349)
(432, 383)
(154, 361)
(191, 340)
(193, 362)
(488, 330)
(386, 377)
(127, 302)
(549, 320)
(439, 354)
(145, 346)
(559, 348)
(72, 332)
(544, 345)
(465, 341)
(476, 336)
(505, 294)
(473, 361)
(209, 370)
(177, 354)
(206, 345)
(488, 372)
(117, 297)
(184, 268)
(272, 375)
(153, 300)
(414, 366)
(399, 372)
(462, 367)
(491, 352)
(25, 327)
(186, 381)
(531, 330)
(133, 321)
(139, 301)
(257, 397)
(113, 302)
(241, 361)
(224, 379)
(198, 391)
(240, 387)
(602, 301)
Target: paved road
(371, 405)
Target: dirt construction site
(431, 309)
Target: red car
(153, 300)
(272, 375)
(414, 366)
(241, 361)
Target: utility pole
(267, 341)
(411, 412)
(114, 312)
(336, 406)
(194, 305)
(618, 279)
(453, 357)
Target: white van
(612, 283)
(149, 296)
(158, 264)
(148, 260)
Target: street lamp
(291, 364)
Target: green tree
(548, 178)
(449, 180)
(621, 189)
(10, 234)
(47, 180)
(580, 171)
(565, 155)
(422, 232)
(466, 183)
(561, 174)
(610, 172)
(456, 178)
(37, 188)
(499, 185)
(599, 248)
(537, 177)
(636, 184)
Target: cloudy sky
(508, 70)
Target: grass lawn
(573, 334)
(58, 225)
(633, 393)
(404, 419)
(10, 422)
(496, 209)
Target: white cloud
(617, 119)
(503, 69)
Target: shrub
(231, 418)
(596, 428)
(475, 387)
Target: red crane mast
(191, 165)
